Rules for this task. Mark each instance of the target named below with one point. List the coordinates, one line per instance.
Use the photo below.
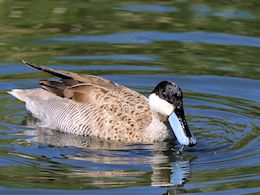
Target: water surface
(210, 49)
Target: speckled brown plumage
(92, 106)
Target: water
(210, 49)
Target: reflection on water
(161, 166)
(226, 12)
(210, 48)
(144, 58)
(149, 37)
(149, 8)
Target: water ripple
(145, 58)
(149, 8)
(240, 88)
(227, 140)
(152, 36)
(226, 12)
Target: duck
(93, 106)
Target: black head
(169, 92)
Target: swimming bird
(89, 105)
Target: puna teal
(93, 106)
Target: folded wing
(120, 103)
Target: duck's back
(92, 106)
(113, 120)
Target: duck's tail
(59, 73)
(19, 94)
(26, 94)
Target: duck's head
(166, 99)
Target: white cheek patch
(159, 105)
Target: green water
(210, 48)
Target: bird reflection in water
(115, 165)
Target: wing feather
(125, 107)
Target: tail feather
(26, 94)
(71, 78)
(58, 73)
(18, 93)
(56, 87)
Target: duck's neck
(158, 130)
